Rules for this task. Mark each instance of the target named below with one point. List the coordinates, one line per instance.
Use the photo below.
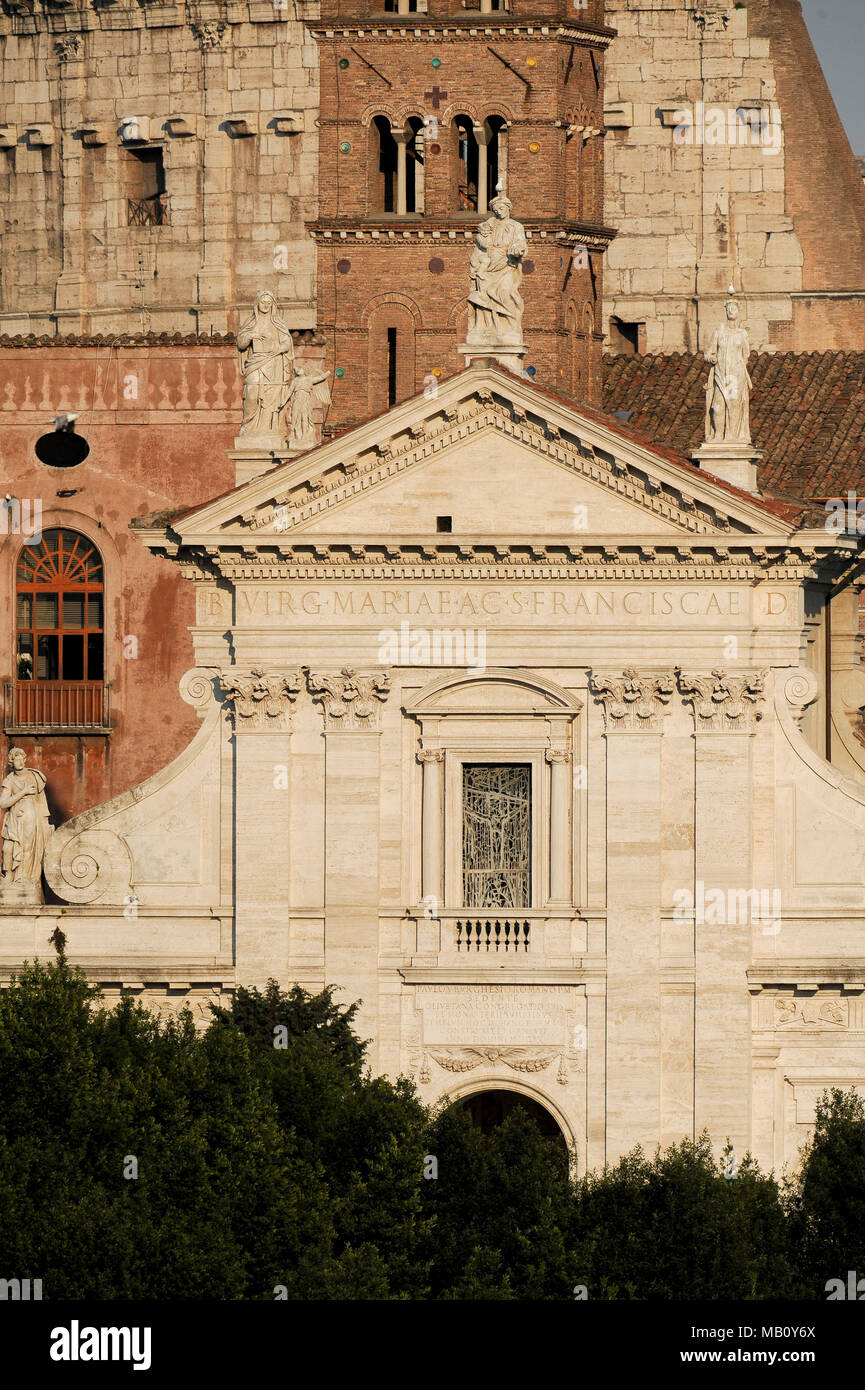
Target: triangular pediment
(503, 459)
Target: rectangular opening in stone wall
(627, 339)
(144, 175)
(497, 835)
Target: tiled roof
(807, 413)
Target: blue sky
(837, 29)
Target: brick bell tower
(426, 108)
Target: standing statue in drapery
(26, 827)
(306, 391)
(728, 392)
(495, 268)
(267, 359)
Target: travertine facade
(763, 189)
(623, 629)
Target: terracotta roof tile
(807, 413)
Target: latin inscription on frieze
(493, 605)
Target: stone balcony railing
(528, 936)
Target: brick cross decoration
(435, 96)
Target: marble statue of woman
(26, 828)
(495, 268)
(266, 355)
(306, 391)
(728, 392)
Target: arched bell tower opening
(490, 1108)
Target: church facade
(510, 727)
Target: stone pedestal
(255, 455)
(735, 463)
(508, 355)
(20, 893)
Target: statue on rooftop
(267, 358)
(495, 268)
(307, 390)
(728, 391)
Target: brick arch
(385, 314)
(501, 111)
(406, 112)
(373, 306)
(459, 310)
(380, 108)
(459, 108)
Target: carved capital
(350, 700)
(261, 700)
(634, 700)
(557, 755)
(431, 755)
(722, 701)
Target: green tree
(826, 1201)
(501, 1205)
(368, 1134)
(680, 1226)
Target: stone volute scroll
(495, 305)
(727, 450)
(725, 702)
(26, 828)
(349, 699)
(634, 701)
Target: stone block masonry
(764, 188)
(156, 166)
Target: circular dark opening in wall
(62, 449)
(436, 265)
(529, 267)
(343, 266)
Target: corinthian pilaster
(724, 703)
(259, 699)
(350, 700)
(634, 701)
(560, 824)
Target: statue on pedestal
(495, 268)
(26, 827)
(267, 356)
(728, 393)
(305, 392)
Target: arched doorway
(489, 1109)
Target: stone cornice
(426, 232)
(406, 27)
(309, 498)
(533, 560)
